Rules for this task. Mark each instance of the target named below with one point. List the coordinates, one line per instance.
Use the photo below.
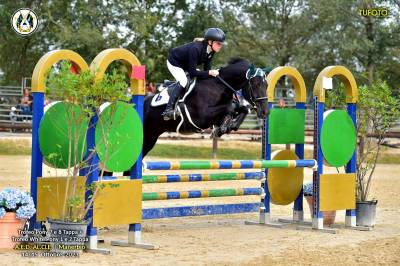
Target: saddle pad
(160, 98)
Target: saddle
(162, 97)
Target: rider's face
(216, 46)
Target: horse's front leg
(231, 121)
(224, 127)
(238, 120)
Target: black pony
(210, 104)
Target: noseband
(258, 73)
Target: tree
(306, 34)
(19, 54)
(377, 110)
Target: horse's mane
(235, 60)
(236, 68)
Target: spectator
(26, 103)
(150, 88)
(13, 115)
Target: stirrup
(168, 114)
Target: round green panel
(63, 129)
(119, 136)
(338, 138)
(284, 184)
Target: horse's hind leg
(150, 139)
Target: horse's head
(256, 92)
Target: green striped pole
(227, 192)
(202, 177)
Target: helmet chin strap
(212, 50)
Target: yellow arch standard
(48, 60)
(103, 204)
(101, 62)
(347, 78)
(294, 75)
(130, 209)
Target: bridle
(258, 72)
(249, 89)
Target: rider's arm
(207, 64)
(193, 59)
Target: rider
(187, 57)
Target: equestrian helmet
(214, 34)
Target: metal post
(37, 157)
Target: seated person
(13, 114)
(150, 89)
(26, 103)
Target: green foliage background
(306, 34)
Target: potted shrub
(82, 98)
(16, 207)
(377, 110)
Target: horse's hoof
(215, 133)
(168, 114)
(219, 133)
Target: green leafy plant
(84, 96)
(377, 109)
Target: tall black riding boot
(175, 94)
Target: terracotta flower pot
(329, 216)
(9, 226)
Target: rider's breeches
(178, 73)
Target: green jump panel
(338, 137)
(63, 129)
(286, 126)
(119, 137)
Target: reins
(258, 72)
